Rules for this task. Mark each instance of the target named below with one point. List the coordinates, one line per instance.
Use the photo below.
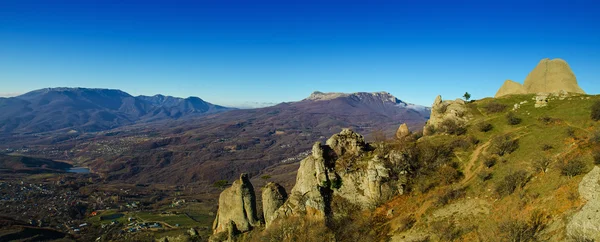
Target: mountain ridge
(92, 109)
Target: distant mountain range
(86, 109)
(144, 137)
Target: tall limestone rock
(273, 197)
(346, 168)
(549, 76)
(552, 76)
(510, 87)
(402, 131)
(237, 204)
(444, 113)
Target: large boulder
(510, 87)
(237, 204)
(402, 131)
(273, 197)
(552, 76)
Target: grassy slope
(550, 192)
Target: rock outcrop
(347, 141)
(549, 76)
(443, 112)
(402, 131)
(273, 197)
(586, 222)
(343, 168)
(510, 87)
(237, 204)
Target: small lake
(79, 170)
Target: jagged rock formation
(510, 87)
(549, 76)
(402, 131)
(347, 141)
(344, 167)
(273, 197)
(586, 223)
(443, 112)
(237, 204)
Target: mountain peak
(384, 96)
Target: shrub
(447, 230)
(450, 126)
(595, 138)
(596, 156)
(518, 230)
(485, 175)
(485, 127)
(406, 223)
(461, 143)
(221, 184)
(429, 129)
(450, 195)
(511, 182)
(546, 120)
(473, 140)
(596, 111)
(504, 144)
(512, 119)
(490, 161)
(547, 147)
(337, 183)
(541, 164)
(572, 167)
(571, 132)
(494, 107)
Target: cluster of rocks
(444, 111)
(549, 76)
(344, 167)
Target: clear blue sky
(229, 52)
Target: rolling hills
(89, 110)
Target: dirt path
(474, 157)
(469, 174)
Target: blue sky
(232, 52)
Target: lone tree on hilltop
(467, 96)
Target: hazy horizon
(232, 52)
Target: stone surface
(402, 131)
(347, 141)
(541, 100)
(510, 87)
(237, 204)
(552, 76)
(549, 76)
(586, 222)
(455, 111)
(273, 197)
(344, 168)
